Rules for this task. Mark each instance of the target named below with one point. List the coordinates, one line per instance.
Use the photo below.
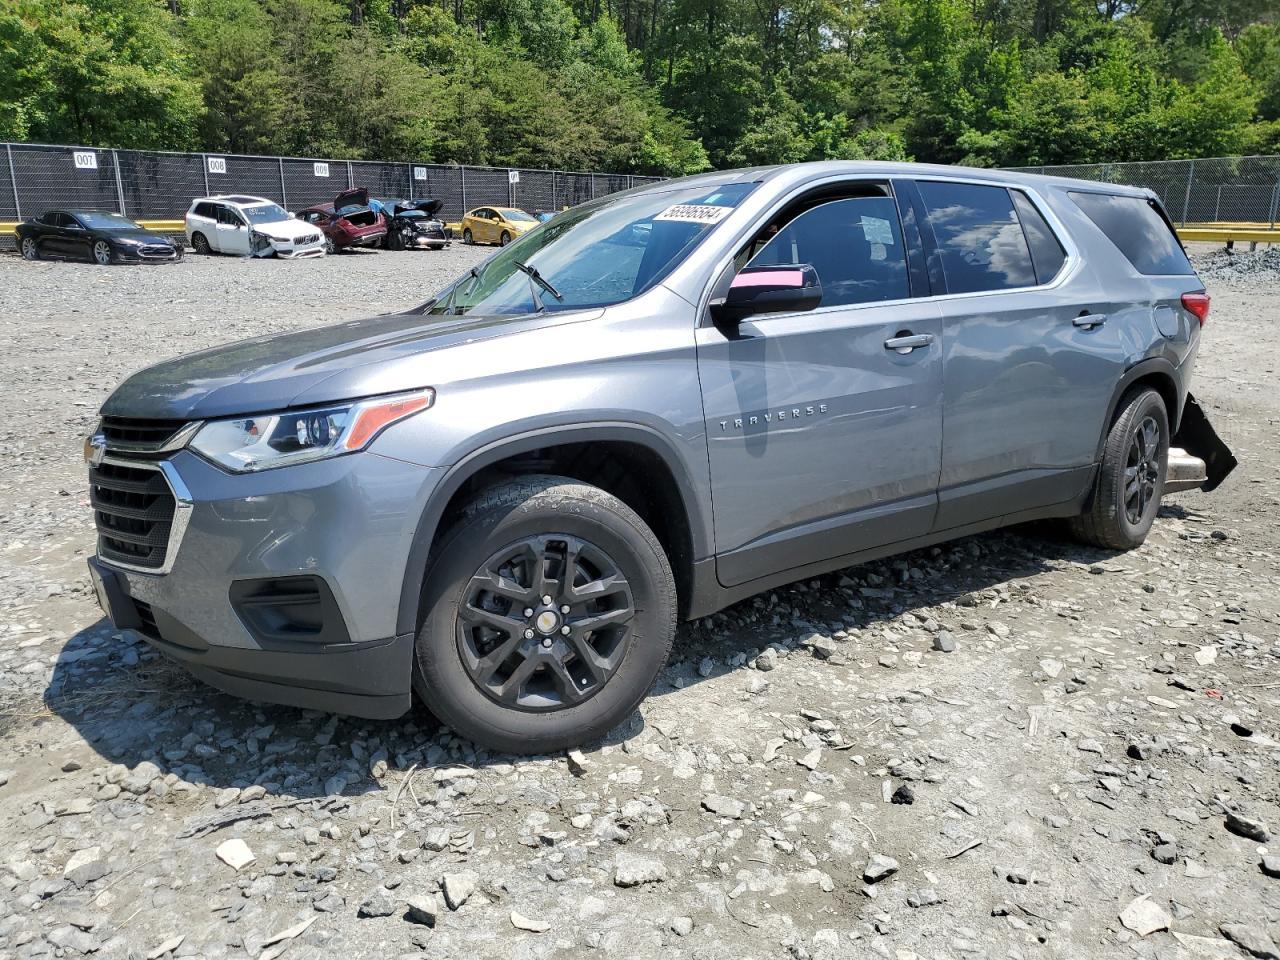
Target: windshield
(518, 216)
(264, 213)
(106, 221)
(600, 253)
(412, 214)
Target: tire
(466, 237)
(1135, 459)
(395, 241)
(545, 516)
(504, 239)
(30, 250)
(200, 244)
(329, 247)
(101, 253)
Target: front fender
(493, 452)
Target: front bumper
(342, 526)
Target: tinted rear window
(1047, 255)
(1135, 226)
(979, 237)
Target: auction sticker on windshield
(694, 213)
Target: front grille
(131, 433)
(158, 251)
(133, 509)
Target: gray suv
(647, 408)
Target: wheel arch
(634, 463)
(1157, 373)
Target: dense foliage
(648, 86)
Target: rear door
(1030, 357)
(824, 427)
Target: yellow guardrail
(163, 226)
(1230, 233)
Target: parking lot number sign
(217, 164)
(513, 176)
(322, 170)
(419, 173)
(86, 160)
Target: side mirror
(789, 288)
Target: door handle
(907, 342)
(1088, 321)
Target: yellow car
(498, 225)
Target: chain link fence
(150, 185)
(1210, 190)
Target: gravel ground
(1009, 746)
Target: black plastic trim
(709, 595)
(1141, 369)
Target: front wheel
(102, 253)
(330, 248)
(1135, 458)
(29, 249)
(550, 609)
(504, 239)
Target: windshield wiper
(448, 301)
(533, 274)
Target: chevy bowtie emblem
(95, 449)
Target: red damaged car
(347, 222)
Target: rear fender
(1196, 436)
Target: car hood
(386, 354)
(137, 236)
(285, 229)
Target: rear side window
(979, 237)
(855, 245)
(1135, 226)
(1047, 255)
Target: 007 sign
(85, 159)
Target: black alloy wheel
(1130, 480)
(548, 609)
(1142, 470)
(545, 623)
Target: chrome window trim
(1071, 265)
(182, 507)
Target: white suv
(249, 227)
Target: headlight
(248, 444)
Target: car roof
(800, 172)
(240, 199)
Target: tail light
(1197, 304)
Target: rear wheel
(329, 246)
(466, 236)
(1131, 479)
(200, 244)
(550, 611)
(102, 253)
(29, 249)
(395, 240)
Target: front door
(1029, 359)
(825, 427)
(233, 233)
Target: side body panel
(820, 440)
